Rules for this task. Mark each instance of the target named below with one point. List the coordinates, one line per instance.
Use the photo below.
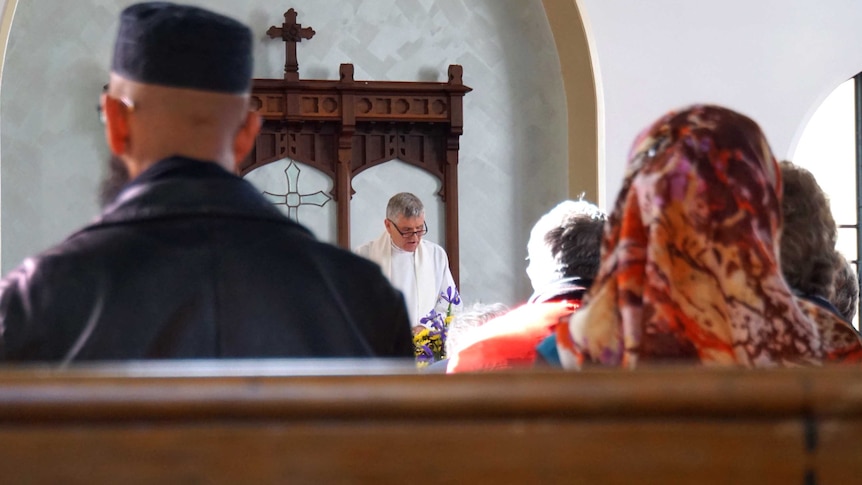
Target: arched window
(831, 148)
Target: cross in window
(293, 199)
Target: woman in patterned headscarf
(690, 269)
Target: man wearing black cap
(189, 261)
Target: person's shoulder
(363, 249)
(438, 254)
(382, 240)
(70, 262)
(376, 250)
(361, 275)
(432, 246)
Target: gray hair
(404, 204)
(809, 233)
(570, 237)
(846, 295)
(466, 320)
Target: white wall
(513, 151)
(774, 60)
(7, 9)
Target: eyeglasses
(99, 108)
(420, 232)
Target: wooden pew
(373, 422)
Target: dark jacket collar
(180, 167)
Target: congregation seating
(374, 422)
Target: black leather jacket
(191, 262)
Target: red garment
(510, 341)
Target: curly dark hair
(808, 238)
(576, 244)
(846, 296)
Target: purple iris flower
(451, 296)
(430, 318)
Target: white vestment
(421, 275)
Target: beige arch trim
(573, 49)
(5, 23)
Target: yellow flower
(421, 335)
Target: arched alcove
(576, 66)
(518, 153)
(828, 147)
(374, 188)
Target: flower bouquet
(429, 337)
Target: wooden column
(345, 156)
(450, 172)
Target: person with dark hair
(690, 268)
(808, 257)
(846, 289)
(564, 249)
(417, 267)
(563, 253)
(188, 260)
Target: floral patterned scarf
(690, 268)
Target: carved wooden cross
(291, 33)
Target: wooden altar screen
(346, 126)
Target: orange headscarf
(690, 267)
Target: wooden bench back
(276, 423)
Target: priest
(417, 267)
